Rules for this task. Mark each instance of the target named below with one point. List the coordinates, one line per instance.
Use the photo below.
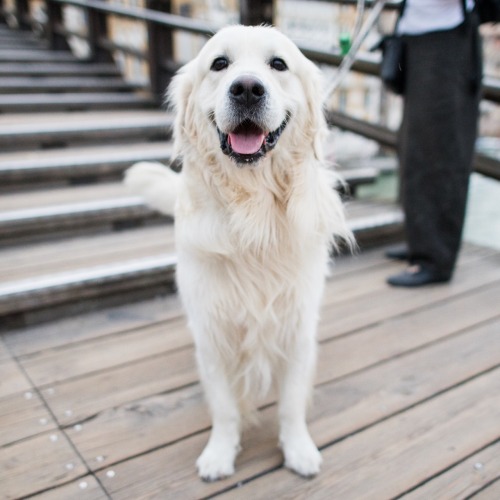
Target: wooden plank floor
(407, 398)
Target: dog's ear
(314, 88)
(180, 101)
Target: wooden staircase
(71, 236)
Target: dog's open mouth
(247, 143)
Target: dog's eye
(219, 64)
(278, 64)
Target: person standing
(443, 66)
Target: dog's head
(248, 91)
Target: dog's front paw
(215, 463)
(301, 455)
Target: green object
(345, 43)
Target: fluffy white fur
(253, 241)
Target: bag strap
(402, 6)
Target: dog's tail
(157, 184)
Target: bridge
(99, 394)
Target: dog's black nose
(247, 91)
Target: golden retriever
(256, 215)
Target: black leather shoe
(398, 252)
(417, 275)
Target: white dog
(255, 217)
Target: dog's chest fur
(266, 214)
(253, 252)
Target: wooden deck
(407, 401)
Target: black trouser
(436, 142)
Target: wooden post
(160, 51)
(97, 31)
(255, 12)
(56, 40)
(3, 13)
(23, 14)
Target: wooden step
(46, 129)
(47, 274)
(374, 222)
(35, 55)
(58, 221)
(22, 44)
(8, 35)
(21, 171)
(52, 214)
(56, 213)
(79, 89)
(355, 177)
(58, 69)
(35, 103)
(7, 30)
(382, 164)
(74, 254)
(42, 84)
(29, 170)
(90, 283)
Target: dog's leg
(217, 459)
(301, 454)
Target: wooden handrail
(161, 18)
(483, 164)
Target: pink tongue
(246, 144)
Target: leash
(360, 33)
